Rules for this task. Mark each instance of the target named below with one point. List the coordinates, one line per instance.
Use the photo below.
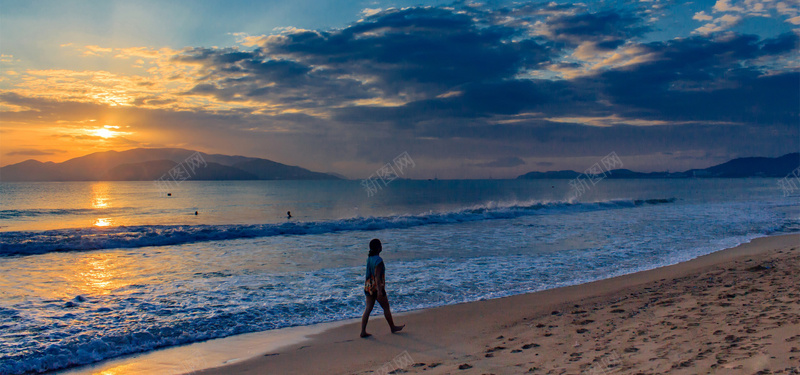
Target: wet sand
(736, 311)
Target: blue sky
(175, 23)
(468, 89)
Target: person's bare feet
(396, 329)
(365, 335)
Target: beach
(558, 187)
(736, 311)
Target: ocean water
(95, 270)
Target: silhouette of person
(195, 213)
(288, 214)
(375, 288)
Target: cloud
(366, 12)
(95, 50)
(729, 13)
(708, 79)
(607, 29)
(33, 152)
(401, 66)
(416, 51)
(249, 40)
(702, 16)
(719, 24)
(391, 57)
(725, 6)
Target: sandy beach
(736, 311)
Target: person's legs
(387, 313)
(365, 317)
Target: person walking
(375, 288)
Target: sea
(91, 271)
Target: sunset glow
(482, 84)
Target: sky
(468, 89)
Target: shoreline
(204, 354)
(455, 338)
(433, 337)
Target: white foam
(207, 354)
(39, 242)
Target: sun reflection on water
(100, 195)
(101, 199)
(103, 222)
(96, 274)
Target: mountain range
(142, 164)
(741, 167)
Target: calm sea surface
(94, 270)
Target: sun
(106, 131)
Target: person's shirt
(376, 274)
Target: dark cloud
(780, 44)
(448, 64)
(234, 76)
(417, 46)
(607, 29)
(484, 101)
(212, 56)
(414, 53)
(522, 16)
(702, 79)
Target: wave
(82, 239)
(15, 214)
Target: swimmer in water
(288, 214)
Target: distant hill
(751, 167)
(740, 167)
(627, 173)
(30, 170)
(142, 164)
(341, 176)
(269, 170)
(151, 170)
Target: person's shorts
(374, 294)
